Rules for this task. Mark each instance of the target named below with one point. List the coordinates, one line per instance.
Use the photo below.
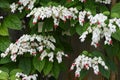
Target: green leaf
(111, 64)
(106, 13)
(13, 22)
(56, 70)
(116, 35)
(39, 65)
(115, 15)
(64, 25)
(48, 25)
(13, 74)
(4, 43)
(113, 50)
(3, 31)
(11, 65)
(4, 75)
(79, 30)
(71, 4)
(31, 23)
(72, 30)
(25, 65)
(105, 73)
(4, 4)
(44, 2)
(83, 73)
(13, 77)
(5, 69)
(85, 52)
(102, 8)
(14, 71)
(97, 54)
(116, 9)
(48, 67)
(5, 60)
(90, 6)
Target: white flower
(51, 55)
(29, 4)
(13, 7)
(83, 36)
(40, 48)
(101, 1)
(25, 77)
(3, 55)
(99, 28)
(43, 55)
(85, 62)
(59, 56)
(34, 44)
(14, 49)
(13, 57)
(81, 17)
(57, 13)
(118, 22)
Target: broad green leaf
(90, 6)
(13, 77)
(5, 69)
(83, 73)
(3, 31)
(115, 15)
(105, 73)
(31, 23)
(113, 50)
(116, 35)
(79, 30)
(4, 76)
(5, 60)
(48, 67)
(48, 25)
(64, 25)
(116, 9)
(4, 4)
(44, 2)
(97, 54)
(56, 70)
(14, 71)
(13, 22)
(71, 4)
(111, 65)
(102, 8)
(11, 66)
(25, 65)
(4, 43)
(72, 30)
(13, 74)
(38, 64)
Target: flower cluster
(35, 44)
(99, 28)
(101, 1)
(82, 15)
(25, 77)
(85, 62)
(56, 13)
(104, 1)
(21, 4)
